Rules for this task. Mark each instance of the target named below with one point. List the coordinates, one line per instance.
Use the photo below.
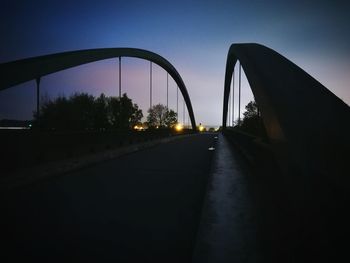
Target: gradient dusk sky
(193, 35)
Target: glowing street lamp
(179, 127)
(201, 127)
(138, 128)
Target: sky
(192, 35)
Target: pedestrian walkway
(228, 230)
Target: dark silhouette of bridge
(287, 204)
(308, 131)
(298, 112)
(16, 72)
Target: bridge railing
(253, 148)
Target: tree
(160, 116)
(123, 114)
(81, 111)
(84, 112)
(54, 114)
(171, 118)
(251, 110)
(75, 113)
(252, 122)
(136, 116)
(101, 113)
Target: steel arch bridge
(17, 72)
(298, 112)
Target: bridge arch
(298, 112)
(17, 72)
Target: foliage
(101, 114)
(160, 116)
(252, 122)
(251, 110)
(170, 118)
(123, 113)
(82, 111)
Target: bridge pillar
(150, 84)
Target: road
(141, 207)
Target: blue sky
(193, 35)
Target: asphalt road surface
(141, 207)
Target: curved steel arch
(16, 72)
(296, 109)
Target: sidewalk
(228, 229)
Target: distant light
(138, 128)
(201, 128)
(30, 125)
(179, 127)
(14, 128)
(211, 149)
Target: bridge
(195, 197)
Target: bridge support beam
(120, 77)
(37, 80)
(150, 84)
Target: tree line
(82, 111)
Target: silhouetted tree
(101, 112)
(55, 114)
(160, 116)
(136, 117)
(123, 114)
(84, 112)
(252, 122)
(251, 110)
(81, 111)
(171, 118)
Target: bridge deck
(142, 207)
(148, 206)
